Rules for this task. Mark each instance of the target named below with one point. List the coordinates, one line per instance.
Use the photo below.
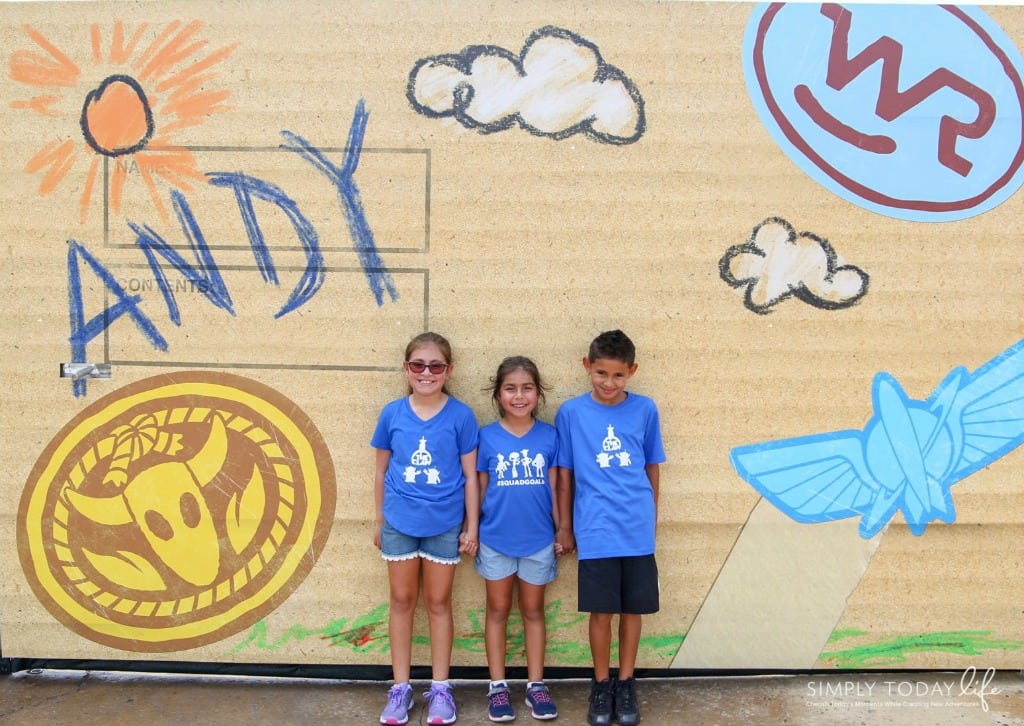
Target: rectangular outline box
(326, 269)
(277, 150)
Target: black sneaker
(627, 711)
(602, 699)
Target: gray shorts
(540, 568)
(442, 548)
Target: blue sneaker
(539, 700)
(499, 707)
(396, 712)
(440, 705)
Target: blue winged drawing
(907, 457)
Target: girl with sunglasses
(427, 505)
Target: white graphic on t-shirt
(501, 467)
(514, 458)
(518, 468)
(538, 464)
(612, 443)
(422, 457)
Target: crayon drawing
(143, 88)
(906, 458)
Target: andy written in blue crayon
(427, 515)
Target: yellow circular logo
(176, 511)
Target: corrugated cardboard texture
(506, 242)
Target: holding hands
(565, 542)
(468, 543)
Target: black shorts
(619, 585)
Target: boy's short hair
(612, 345)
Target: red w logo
(893, 103)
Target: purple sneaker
(539, 700)
(396, 712)
(440, 705)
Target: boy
(609, 441)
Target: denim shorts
(441, 548)
(540, 568)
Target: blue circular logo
(912, 111)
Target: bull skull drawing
(166, 503)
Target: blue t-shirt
(424, 485)
(515, 517)
(607, 448)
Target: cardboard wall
(758, 267)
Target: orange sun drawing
(148, 94)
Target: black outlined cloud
(557, 86)
(776, 263)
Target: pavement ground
(88, 698)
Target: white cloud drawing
(558, 86)
(776, 263)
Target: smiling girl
(518, 524)
(427, 506)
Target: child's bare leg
(531, 605)
(404, 579)
(630, 627)
(499, 604)
(437, 598)
(601, 644)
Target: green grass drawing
(895, 651)
(369, 634)
(365, 634)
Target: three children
(534, 492)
